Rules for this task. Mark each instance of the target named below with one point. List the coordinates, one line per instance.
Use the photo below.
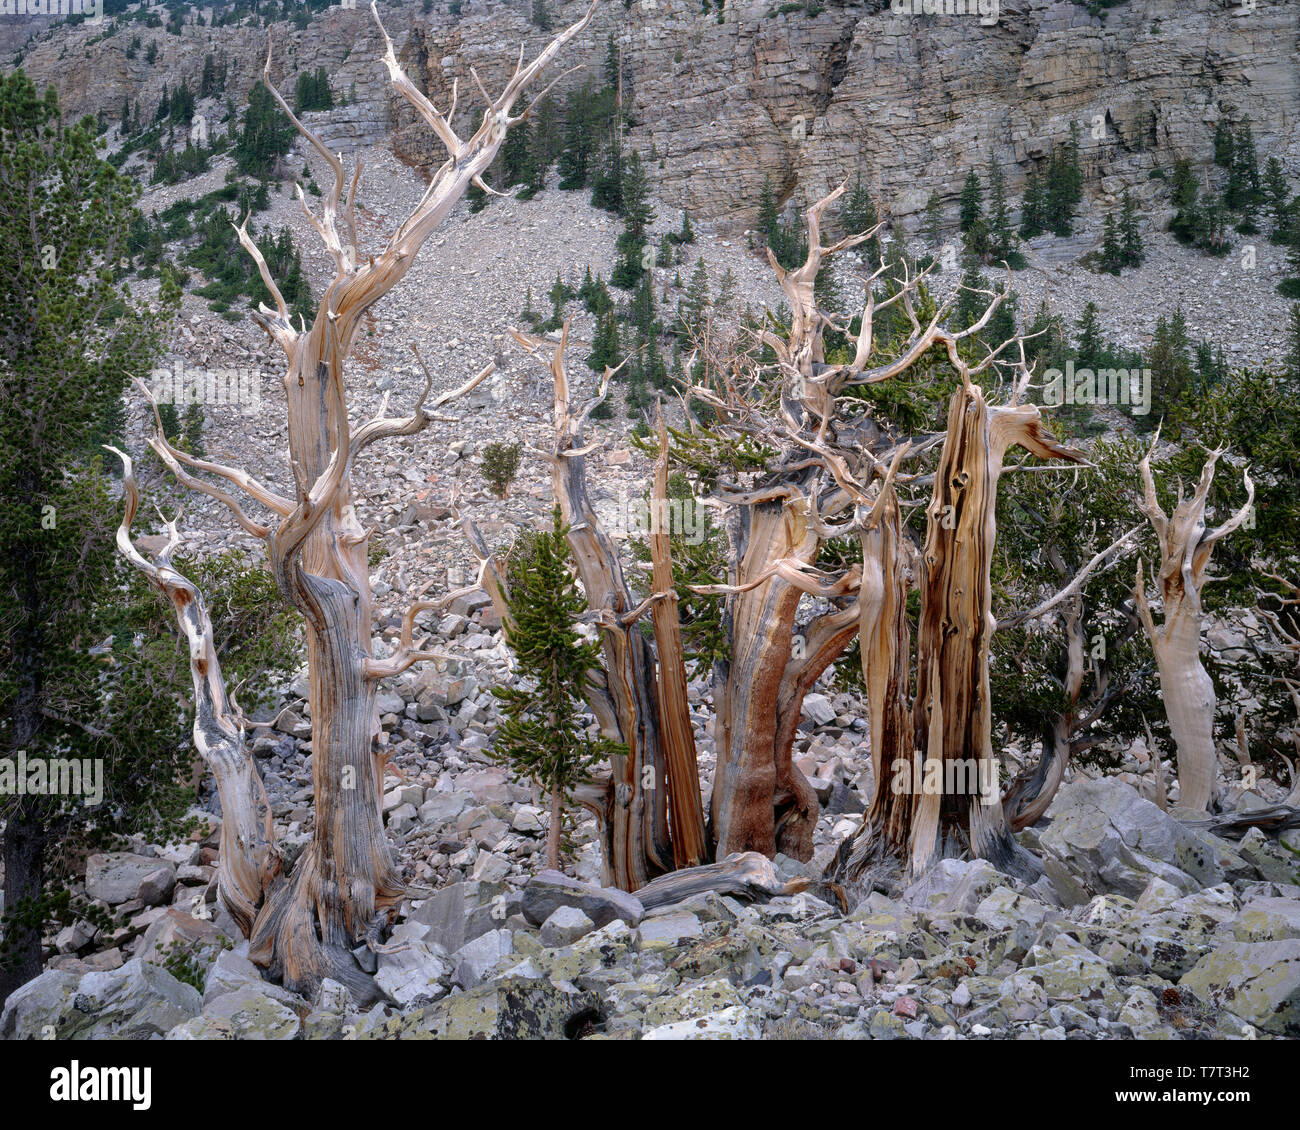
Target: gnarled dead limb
(1185, 687)
(249, 862)
(747, 875)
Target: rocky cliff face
(911, 102)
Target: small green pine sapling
(542, 736)
(500, 464)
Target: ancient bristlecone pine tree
(826, 477)
(1185, 685)
(943, 733)
(304, 925)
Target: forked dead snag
(1185, 686)
(346, 881)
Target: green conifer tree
(1277, 194)
(692, 309)
(1112, 247)
(1132, 251)
(638, 215)
(1089, 344)
(542, 736)
(1033, 207)
(972, 201)
(70, 333)
(933, 225)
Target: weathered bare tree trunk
(947, 785)
(953, 714)
(630, 806)
(1185, 686)
(884, 638)
(553, 832)
(346, 882)
(685, 810)
(249, 862)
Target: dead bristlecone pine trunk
(345, 885)
(935, 772)
(1185, 686)
(816, 472)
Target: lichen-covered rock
(1270, 859)
(668, 931)
(1003, 908)
(241, 1014)
(1267, 919)
(509, 1009)
(180, 929)
(1257, 981)
(689, 1002)
(955, 885)
(33, 1010)
(1113, 840)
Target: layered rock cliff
(911, 102)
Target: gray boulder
(416, 974)
(476, 959)
(955, 885)
(1108, 838)
(118, 877)
(233, 971)
(464, 911)
(565, 925)
(136, 1002)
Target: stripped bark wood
(1186, 688)
(685, 809)
(937, 778)
(1274, 818)
(250, 861)
(747, 875)
(345, 885)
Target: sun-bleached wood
(345, 885)
(1185, 686)
(249, 862)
